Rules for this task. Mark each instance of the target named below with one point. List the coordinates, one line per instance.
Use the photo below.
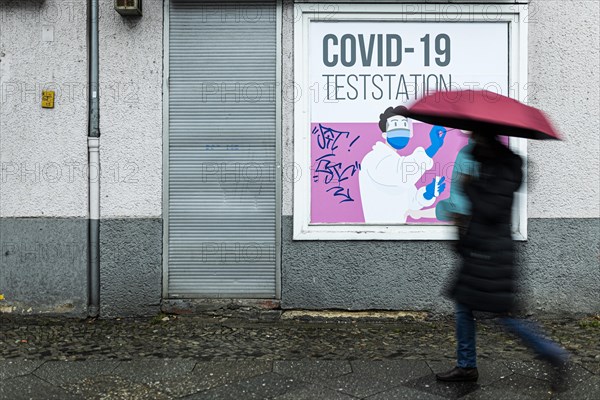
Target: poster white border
(513, 14)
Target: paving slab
(259, 387)
(450, 390)
(173, 377)
(489, 371)
(488, 393)
(542, 370)
(534, 369)
(31, 387)
(211, 374)
(313, 392)
(152, 369)
(312, 371)
(593, 367)
(516, 387)
(114, 387)
(586, 390)
(404, 393)
(61, 373)
(371, 377)
(17, 367)
(187, 377)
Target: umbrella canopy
(483, 111)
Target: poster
(368, 165)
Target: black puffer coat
(486, 276)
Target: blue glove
(437, 136)
(430, 189)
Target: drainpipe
(93, 165)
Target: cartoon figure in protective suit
(388, 180)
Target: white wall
(131, 111)
(564, 69)
(43, 152)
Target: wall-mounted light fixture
(129, 7)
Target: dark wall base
(43, 268)
(43, 265)
(130, 266)
(559, 266)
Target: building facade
(212, 117)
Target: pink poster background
(337, 149)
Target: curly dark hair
(390, 112)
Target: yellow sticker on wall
(47, 99)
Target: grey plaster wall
(559, 266)
(43, 265)
(130, 266)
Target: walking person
(486, 278)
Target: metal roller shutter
(222, 145)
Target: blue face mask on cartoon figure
(398, 138)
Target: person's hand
(432, 191)
(437, 136)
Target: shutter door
(221, 211)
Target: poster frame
(517, 18)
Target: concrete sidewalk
(302, 380)
(271, 357)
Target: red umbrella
(483, 111)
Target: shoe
(457, 374)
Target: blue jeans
(528, 332)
